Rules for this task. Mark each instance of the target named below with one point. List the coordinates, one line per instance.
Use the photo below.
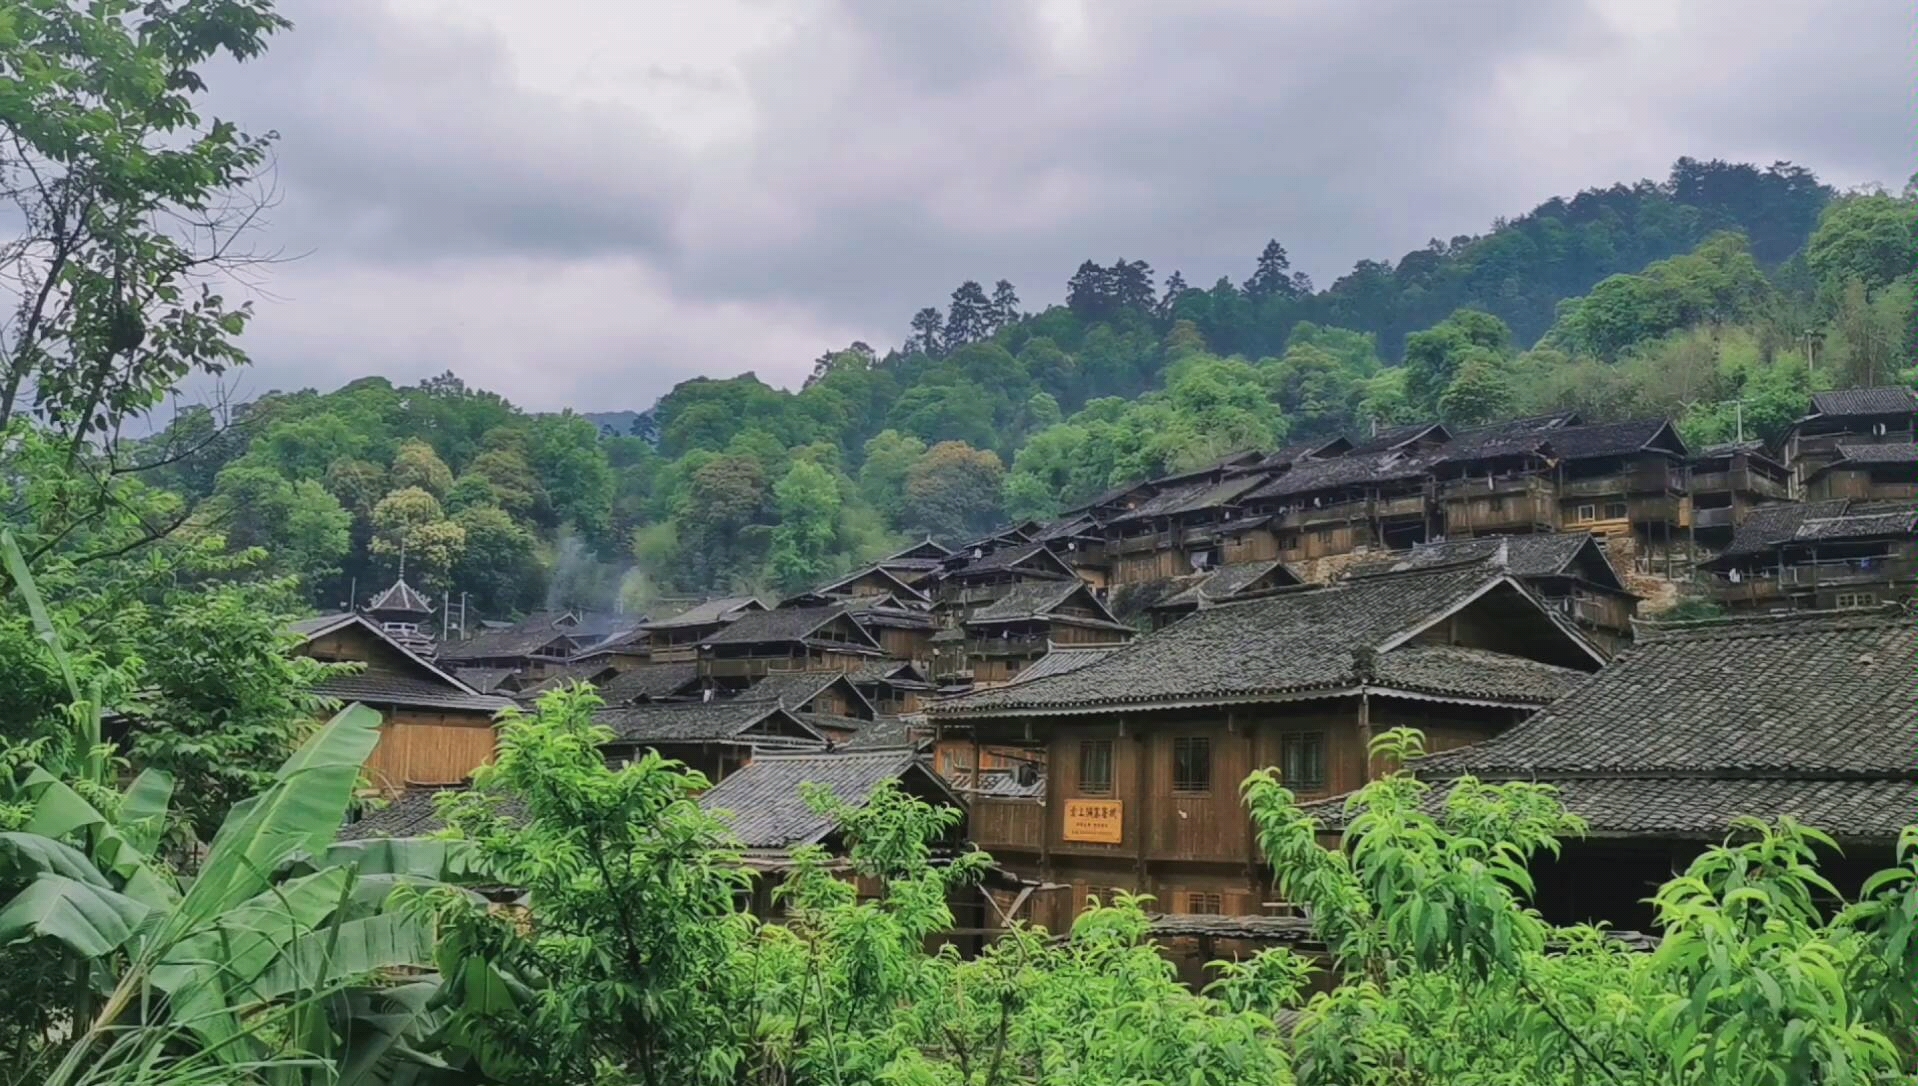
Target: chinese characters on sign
(1100, 821)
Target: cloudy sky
(582, 202)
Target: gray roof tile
(1801, 696)
(1884, 400)
(726, 721)
(1288, 642)
(764, 801)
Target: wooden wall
(1149, 566)
(418, 747)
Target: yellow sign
(1101, 821)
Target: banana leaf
(25, 856)
(143, 809)
(300, 813)
(88, 919)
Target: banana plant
(268, 965)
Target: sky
(580, 203)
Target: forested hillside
(1724, 288)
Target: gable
(1506, 619)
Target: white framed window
(1586, 512)
(1846, 600)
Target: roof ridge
(1887, 615)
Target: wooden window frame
(1286, 743)
(1204, 903)
(1586, 513)
(1190, 744)
(1086, 747)
(1849, 600)
(1624, 510)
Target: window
(1616, 511)
(1204, 904)
(1496, 505)
(1192, 765)
(1587, 512)
(1095, 767)
(1856, 599)
(1302, 761)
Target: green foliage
(1716, 283)
(1434, 357)
(952, 492)
(1864, 239)
(416, 465)
(807, 503)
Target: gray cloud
(586, 207)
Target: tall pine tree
(970, 318)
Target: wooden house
(1807, 714)
(1230, 582)
(1624, 479)
(540, 643)
(1010, 633)
(713, 737)
(828, 700)
(903, 628)
(1818, 556)
(1882, 472)
(786, 639)
(435, 729)
(1853, 416)
(1498, 480)
(919, 564)
(676, 639)
(978, 576)
(1177, 530)
(876, 580)
(1726, 483)
(1362, 499)
(1141, 752)
(1079, 541)
(894, 687)
(1568, 571)
(649, 683)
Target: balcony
(1029, 645)
(1740, 481)
(998, 824)
(1498, 486)
(1405, 505)
(1648, 480)
(1337, 513)
(1714, 518)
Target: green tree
(887, 460)
(1481, 392)
(1867, 239)
(563, 451)
(499, 563)
(417, 465)
(952, 492)
(807, 502)
(110, 153)
(301, 527)
(720, 533)
(1433, 357)
(411, 522)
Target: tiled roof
(1856, 524)
(879, 570)
(650, 681)
(1226, 582)
(1884, 400)
(409, 814)
(1030, 600)
(1006, 558)
(793, 689)
(764, 801)
(1450, 669)
(401, 597)
(1802, 695)
(1392, 437)
(1290, 642)
(524, 638)
(697, 722)
(1512, 438)
(1193, 497)
(709, 613)
(1292, 454)
(1542, 554)
(1897, 452)
(1352, 469)
(1608, 438)
(783, 624)
(883, 671)
(486, 680)
(1769, 525)
(1064, 662)
(883, 733)
(382, 688)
